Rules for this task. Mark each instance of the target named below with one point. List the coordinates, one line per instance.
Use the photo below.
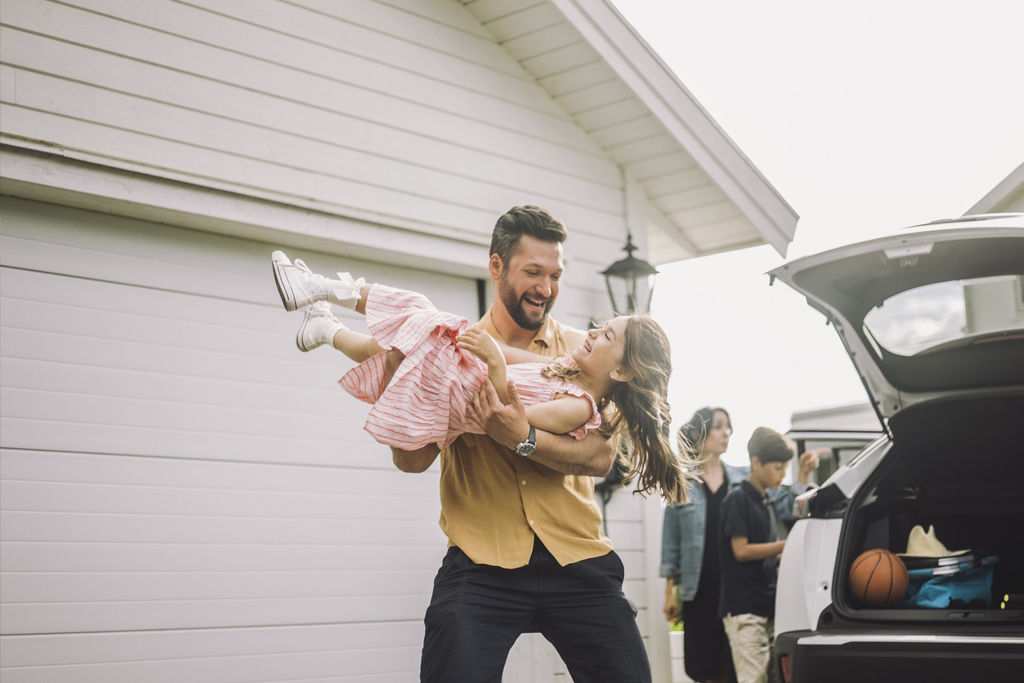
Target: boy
(750, 556)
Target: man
(526, 549)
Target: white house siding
(409, 115)
(186, 497)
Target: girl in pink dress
(420, 368)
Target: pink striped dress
(427, 398)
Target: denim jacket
(683, 530)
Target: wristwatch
(526, 448)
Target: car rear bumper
(881, 657)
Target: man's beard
(514, 306)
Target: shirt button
(524, 482)
(531, 522)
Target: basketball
(878, 578)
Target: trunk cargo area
(958, 466)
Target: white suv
(933, 319)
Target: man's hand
(506, 424)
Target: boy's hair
(767, 445)
(524, 220)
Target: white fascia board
(668, 100)
(1009, 186)
(48, 176)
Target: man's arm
(508, 425)
(414, 461)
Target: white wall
(409, 116)
(185, 495)
(396, 128)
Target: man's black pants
(477, 611)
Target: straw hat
(922, 544)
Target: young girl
(422, 367)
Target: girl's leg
(319, 327)
(299, 286)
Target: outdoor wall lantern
(630, 282)
(630, 287)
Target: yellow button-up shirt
(493, 501)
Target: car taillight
(787, 673)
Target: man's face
(528, 284)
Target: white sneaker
(299, 286)
(318, 327)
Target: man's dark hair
(767, 445)
(524, 220)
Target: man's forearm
(592, 456)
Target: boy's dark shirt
(747, 587)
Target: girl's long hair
(641, 410)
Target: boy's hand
(481, 345)
(808, 463)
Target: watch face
(525, 449)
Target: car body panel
(847, 282)
(804, 589)
(819, 635)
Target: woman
(689, 554)
(690, 543)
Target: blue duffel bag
(963, 585)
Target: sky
(866, 117)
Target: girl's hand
(481, 345)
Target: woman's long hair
(641, 410)
(691, 435)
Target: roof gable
(704, 195)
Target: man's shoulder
(573, 336)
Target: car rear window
(923, 318)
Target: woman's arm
(560, 416)
(508, 425)
(670, 562)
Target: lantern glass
(630, 282)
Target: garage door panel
(118, 587)
(208, 335)
(154, 614)
(170, 416)
(167, 443)
(203, 475)
(325, 401)
(171, 461)
(99, 247)
(155, 556)
(62, 351)
(280, 653)
(31, 496)
(105, 528)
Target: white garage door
(186, 497)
